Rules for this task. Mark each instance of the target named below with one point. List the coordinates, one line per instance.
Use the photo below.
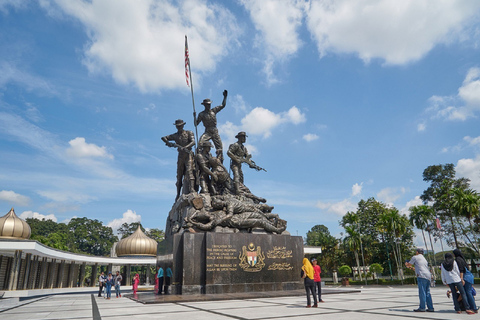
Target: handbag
(468, 276)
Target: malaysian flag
(187, 62)
(439, 227)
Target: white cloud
(462, 106)
(238, 104)
(128, 216)
(414, 202)
(80, 149)
(10, 73)
(470, 89)
(277, 23)
(357, 189)
(421, 127)
(340, 208)
(66, 196)
(470, 168)
(310, 137)
(472, 141)
(14, 198)
(30, 214)
(396, 31)
(390, 195)
(15, 4)
(261, 121)
(142, 42)
(19, 129)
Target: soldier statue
(209, 119)
(204, 168)
(238, 154)
(184, 141)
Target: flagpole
(187, 62)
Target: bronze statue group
(225, 201)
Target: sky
(341, 101)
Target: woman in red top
(317, 279)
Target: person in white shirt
(101, 283)
(419, 264)
(451, 278)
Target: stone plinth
(233, 262)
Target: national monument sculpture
(223, 204)
(219, 236)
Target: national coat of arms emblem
(251, 258)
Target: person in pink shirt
(136, 280)
(317, 279)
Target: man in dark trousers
(160, 279)
(101, 283)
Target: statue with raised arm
(184, 140)
(238, 154)
(209, 119)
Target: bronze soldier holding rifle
(184, 141)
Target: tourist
(419, 264)
(317, 279)
(168, 279)
(136, 281)
(451, 278)
(307, 275)
(101, 283)
(118, 282)
(467, 279)
(108, 285)
(160, 279)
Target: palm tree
(352, 241)
(466, 203)
(392, 223)
(420, 217)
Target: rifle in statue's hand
(248, 160)
(179, 147)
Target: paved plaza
(373, 302)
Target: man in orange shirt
(317, 279)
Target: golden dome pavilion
(12, 227)
(137, 244)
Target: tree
(156, 234)
(50, 233)
(397, 231)
(352, 241)
(91, 236)
(466, 204)
(320, 236)
(128, 229)
(367, 221)
(345, 270)
(442, 180)
(420, 217)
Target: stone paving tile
(372, 303)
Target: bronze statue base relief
(209, 262)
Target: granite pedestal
(209, 263)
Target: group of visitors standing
(455, 275)
(108, 282)
(105, 283)
(161, 277)
(312, 281)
